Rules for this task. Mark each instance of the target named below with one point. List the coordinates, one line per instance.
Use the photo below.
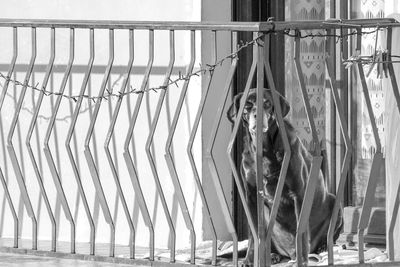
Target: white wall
(106, 10)
(217, 11)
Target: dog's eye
(267, 104)
(248, 106)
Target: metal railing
(260, 69)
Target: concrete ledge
(117, 260)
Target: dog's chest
(271, 165)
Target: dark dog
(284, 232)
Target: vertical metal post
(302, 235)
(259, 150)
(89, 157)
(286, 156)
(29, 136)
(110, 133)
(231, 156)
(376, 162)
(348, 152)
(2, 97)
(395, 87)
(14, 160)
(69, 137)
(210, 158)
(168, 155)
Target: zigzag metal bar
(210, 158)
(148, 147)
(54, 172)
(376, 162)
(71, 132)
(191, 158)
(46, 148)
(259, 152)
(2, 97)
(396, 94)
(302, 227)
(128, 159)
(28, 144)
(286, 156)
(347, 156)
(231, 156)
(149, 141)
(107, 150)
(168, 156)
(14, 160)
(89, 157)
(133, 172)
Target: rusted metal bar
(286, 155)
(376, 162)
(88, 154)
(71, 132)
(110, 133)
(210, 158)
(219, 26)
(192, 138)
(307, 201)
(231, 156)
(2, 97)
(347, 156)
(168, 155)
(14, 160)
(150, 138)
(395, 87)
(259, 151)
(29, 136)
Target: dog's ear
(285, 106)
(234, 108)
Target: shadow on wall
(63, 165)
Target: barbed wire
(318, 34)
(181, 77)
(209, 68)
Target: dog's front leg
(251, 198)
(298, 202)
(248, 261)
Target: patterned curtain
(365, 140)
(312, 61)
(371, 9)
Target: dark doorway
(255, 10)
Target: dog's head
(250, 110)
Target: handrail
(203, 25)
